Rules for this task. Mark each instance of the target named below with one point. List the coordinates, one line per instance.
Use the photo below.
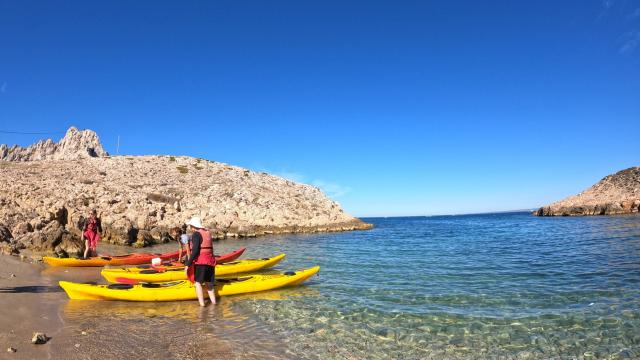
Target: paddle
(128, 281)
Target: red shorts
(93, 238)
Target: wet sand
(32, 301)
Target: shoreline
(32, 302)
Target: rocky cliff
(47, 189)
(615, 194)
(75, 145)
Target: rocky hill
(615, 194)
(47, 188)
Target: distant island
(618, 193)
(47, 188)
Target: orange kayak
(128, 259)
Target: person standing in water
(91, 231)
(202, 259)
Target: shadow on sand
(30, 289)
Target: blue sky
(393, 108)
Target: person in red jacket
(201, 261)
(91, 231)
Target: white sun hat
(195, 222)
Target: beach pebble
(39, 338)
(84, 333)
(11, 350)
(12, 275)
(77, 345)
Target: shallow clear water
(497, 285)
(475, 286)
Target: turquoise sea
(501, 286)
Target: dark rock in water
(615, 194)
(39, 338)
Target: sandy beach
(32, 301)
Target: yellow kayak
(184, 290)
(173, 273)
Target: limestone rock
(615, 194)
(75, 144)
(5, 234)
(22, 228)
(46, 191)
(8, 245)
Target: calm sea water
(475, 286)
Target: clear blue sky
(394, 108)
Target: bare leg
(86, 248)
(199, 293)
(211, 292)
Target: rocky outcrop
(615, 194)
(74, 145)
(140, 197)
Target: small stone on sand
(84, 333)
(11, 350)
(77, 345)
(39, 338)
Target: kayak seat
(232, 280)
(120, 286)
(150, 285)
(265, 259)
(150, 271)
(290, 273)
(105, 258)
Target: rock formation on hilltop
(615, 194)
(75, 145)
(140, 197)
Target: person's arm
(83, 227)
(196, 240)
(99, 223)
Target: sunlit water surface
(476, 286)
